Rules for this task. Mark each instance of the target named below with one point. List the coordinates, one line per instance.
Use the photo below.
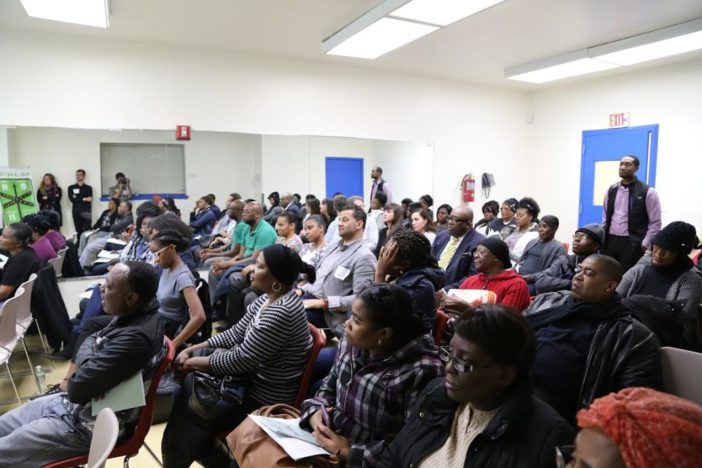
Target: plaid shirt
(372, 397)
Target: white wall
(670, 96)
(62, 151)
(51, 80)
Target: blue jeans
(39, 432)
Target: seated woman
(422, 223)
(179, 304)
(539, 254)
(406, 260)
(384, 361)
(285, 228)
(526, 218)
(639, 428)
(312, 252)
(668, 272)
(392, 222)
(490, 210)
(203, 217)
(22, 262)
(483, 413)
(58, 242)
(275, 209)
(442, 214)
(492, 263)
(102, 226)
(40, 244)
(504, 225)
(270, 345)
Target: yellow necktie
(448, 253)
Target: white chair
(57, 263)
(58, 266)
(8, 335)
(681, 373)
(104, 438)
(25, 317)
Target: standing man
(379, 184)
(631, 215)
(81, 195)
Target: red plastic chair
(131, 447)
(439, 326)
(318, 342)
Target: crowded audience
(411, 373)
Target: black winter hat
(283, 263)
(678, 236)
(499, 249)
(593, 230)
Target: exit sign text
(619, 120)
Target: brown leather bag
(252, 448)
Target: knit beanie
(678, 236)
(593, 230)
(283, 263)
(499, 249)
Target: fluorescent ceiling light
(652, 51)
(441, 12)
(576, 67)
(86, 12)
(381, 37)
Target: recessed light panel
(381, 37)
(86, 12)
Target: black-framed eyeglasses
(453, 219)
(564, 455)
(459, 364)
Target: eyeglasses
(157, 254)
(459, 364)
(453, 219)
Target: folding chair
(132, 445)
(681, 373)
(104, 438)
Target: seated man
(225, 274)
(124, 220)
(586, 241)
(539, 254)
(345, 270)
(60, 426)
(453, 246)
(370, 229)
(591, 345)
(22, 261)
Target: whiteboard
(152, 168)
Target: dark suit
(461, 265)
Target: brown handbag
(253, 448)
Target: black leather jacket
(623, 353)
(523, 433)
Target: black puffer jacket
(523, 433)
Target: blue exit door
(344, 175)
(601, 152)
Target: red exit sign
(619, 120)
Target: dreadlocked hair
(414, 247)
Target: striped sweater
(272, 345)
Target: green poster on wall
(16, 194)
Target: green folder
(129, 394)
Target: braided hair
(171, 230)
(391, 306)
(415, 248)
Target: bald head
(460, 222)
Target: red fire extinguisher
(468, 188)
